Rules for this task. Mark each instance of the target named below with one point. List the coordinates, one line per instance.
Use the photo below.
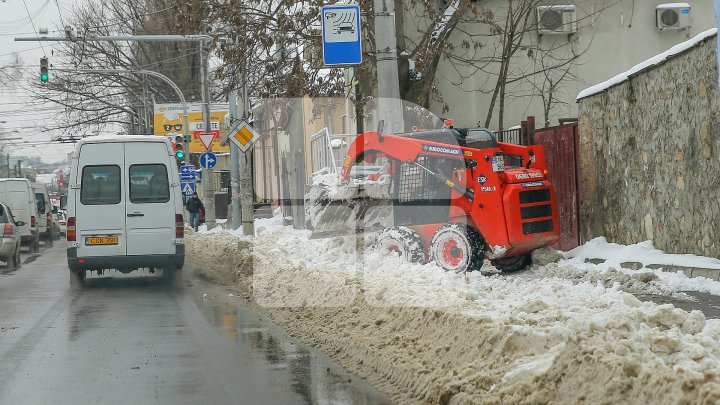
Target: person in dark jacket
(193, 206)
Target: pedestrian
(193, 206)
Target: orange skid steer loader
(453, 196)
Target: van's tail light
(70, 231)
(33, 221)
(179, 226)
(8, 231)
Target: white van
(19, 196)
(124, 206)
(45, 213)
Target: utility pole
(234, 164)
(296, 159)
(390, 107)
(208, 176)
(245, 171)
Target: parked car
(124, 207)
(19, 196)
(10, 242)
(61, 217)
(46, 228)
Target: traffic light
(179, 147)
(44, 76)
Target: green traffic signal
(179, 154)
(44, 76)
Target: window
(40, 199)
(149, 184)
(100, 185)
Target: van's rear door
(100, 208)
(150, 203)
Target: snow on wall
(655, 60)
(650, 156)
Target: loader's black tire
(401, 241)
(511, 264)
(457, 247)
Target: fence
(329, 150)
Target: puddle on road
(313, 375)
(708, 304)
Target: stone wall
(650, 157)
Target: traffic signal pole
(154, 74)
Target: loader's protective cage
(419, 197)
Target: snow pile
(335, 186)
(557, 333)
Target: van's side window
(100, 185)
(149, 184)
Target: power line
(33, 25)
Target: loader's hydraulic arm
(466, 191)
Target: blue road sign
(191, 176)
(187, 187)
(187, 169)
(208, 160)
(341, 34)
(187, 173)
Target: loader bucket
(354, 213)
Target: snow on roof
(654, 61)
(673, 5)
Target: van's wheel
(49, 240)
(511, 264)
(401, 241)
(10, 262)
(17, 258)
(77, 278)
(169, 274)
(457, 247)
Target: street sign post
(208, 160)
(187, 187)
(341, 40)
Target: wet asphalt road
(134, 339)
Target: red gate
(562, 151)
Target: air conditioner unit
(672, 16)
(556, 19)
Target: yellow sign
(244, 136)
(168, 121)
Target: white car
(18, 195)
(61, 218)
(124, 206)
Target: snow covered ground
(566, 332)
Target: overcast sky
(24, 117)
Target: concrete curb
(692, 272)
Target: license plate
(101, 240)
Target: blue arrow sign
(192, 176)
(208, 160)
(187, 188)
(187, 169)
(341, 34)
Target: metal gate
(562, 151)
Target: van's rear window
(149, 184)
(100, 185)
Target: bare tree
(92, 101)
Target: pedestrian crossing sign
(188, 188)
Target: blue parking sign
(341, 39)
